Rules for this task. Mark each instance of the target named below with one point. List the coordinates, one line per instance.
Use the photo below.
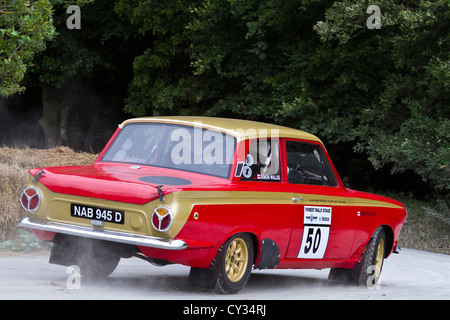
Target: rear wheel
(236, 264)
(366, 272)
(96, 259)
(230, 269)
(97, 265)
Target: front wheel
(235, 265)
(368, 270)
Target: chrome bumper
(87, 232)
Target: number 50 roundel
(316, 231)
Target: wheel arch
(256, 241)
(389, 233)
(266, 252)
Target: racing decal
(316, 231)
(249, 161)
(239, 169)
(247, 172)
(276, 177)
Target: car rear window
(174, 146)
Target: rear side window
(307, 164)
(262, 162)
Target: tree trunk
(55, 111)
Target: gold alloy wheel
(236, 260)
(379, 258)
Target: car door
(323, 209)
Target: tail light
(31, 199)
(162, 219)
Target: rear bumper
(100, 234)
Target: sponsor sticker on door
(316, 231)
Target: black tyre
(236, 264)
(96, 260)
(366, 272)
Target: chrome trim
(97, 223)
(87, 232)
(296, 199)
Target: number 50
(313, 240)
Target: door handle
(296, 199)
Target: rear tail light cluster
(162, 219)
(31, 199)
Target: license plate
(95, 213)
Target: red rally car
(222, 196)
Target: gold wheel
(379, 258)
(236, 260)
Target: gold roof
(241, 129)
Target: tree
(407, 124)
(313, 65)
(25, 26)
(161, 73)
(250, 59)
(83, 74)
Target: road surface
(410, 275)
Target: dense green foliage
(407, 122)
(99, 51)
(159, 83)
(309, 64)
(387, 89)
(25, 26)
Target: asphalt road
(410, 275)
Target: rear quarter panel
(374, 211)
(217, 215)
(263, 214)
